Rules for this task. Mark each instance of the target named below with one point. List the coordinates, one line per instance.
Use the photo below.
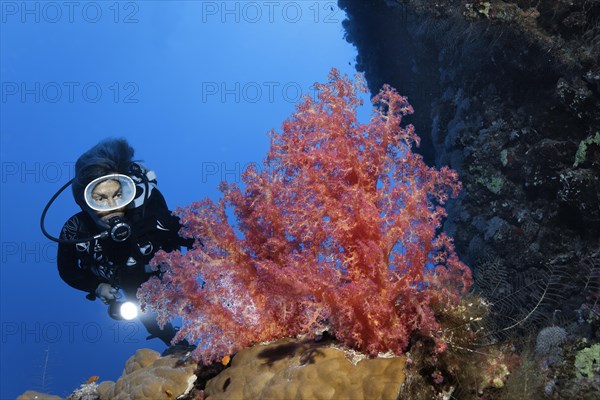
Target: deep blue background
(161, 67)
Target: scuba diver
(124, 221)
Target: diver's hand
(107, 293)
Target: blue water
(194, 86)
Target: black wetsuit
(125, 265)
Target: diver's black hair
(109, 156)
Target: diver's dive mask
(109, 193)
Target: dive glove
(107, 293)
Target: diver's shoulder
(80, 217)
(75, 226)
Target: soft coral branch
(340, 231)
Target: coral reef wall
(508, 94)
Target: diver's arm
(71, 273)
(69, 264)
(163, 224)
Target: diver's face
(107, 194)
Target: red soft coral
(339, 231)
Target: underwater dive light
(123, 310)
